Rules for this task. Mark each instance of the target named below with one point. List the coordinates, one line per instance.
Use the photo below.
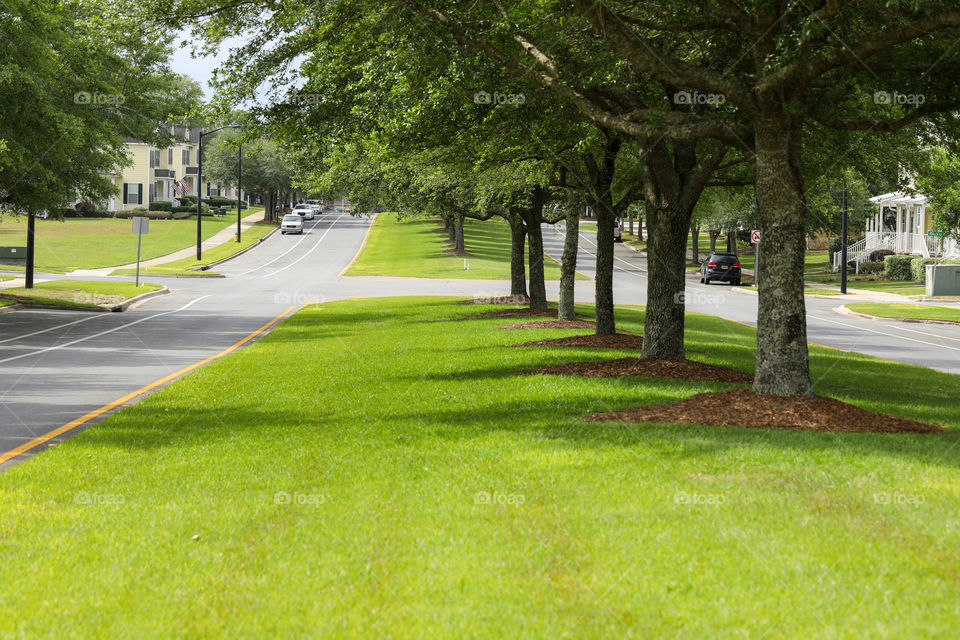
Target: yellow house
(153, 171)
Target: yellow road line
(362, 245)
(589, 277)
(73, 424)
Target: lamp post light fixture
(200, 181)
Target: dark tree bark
(713, 233)
(731, 240)
(630, 216)
(666, 255)
(451, 231)
(568, 263)
(518, 272)
(695, 243)
(460, 243)
(639, 227)
(532, 215)
(782, 357)
(603, 306)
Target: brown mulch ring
(623, 340)
(743, 408)
(545, 324)
(674, 369)
(497, 300)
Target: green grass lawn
(6, 303)
(813, 261)
(186, 266)
(78, 293)
(90, 243)
(414, 248)
(916, 311)
(416, 487)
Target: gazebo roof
(895, 198)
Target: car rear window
(724, 258)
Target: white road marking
(884, 333)
(307, 253)
(924, 333)
(59, 326)
(102, 333)
(304, 237)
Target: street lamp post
(200, 180)
(239, 188)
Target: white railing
(908, 243)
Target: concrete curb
(126, 304)
(239, 253)
(844, 311)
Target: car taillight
(711, 264)
(736, 264)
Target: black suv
(720, 267)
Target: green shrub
(219, 201)
(918, 268)
(835, 246)
(871, 267)
(897, 267)
(152, 215)
(183, 215)
(188, 199)
(161, 205)
(189, 208)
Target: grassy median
(910, 311)
(405, 483)
(417, 248)
(189, 266)
(76, 293)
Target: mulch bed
(545, 324)
(743, 408)
(497, 300)
(674, 369)
(614, 341)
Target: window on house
(153, 192)
(154, 158)
(170, 156)
(185, 157)
(132, 193)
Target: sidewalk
(225, 235)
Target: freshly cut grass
(78, 293)
(188, 266)
(913, 311)
(405, 483)
(416, 248)
(82, 243)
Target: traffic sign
(755, 236)
(141, 224)
(936, 233)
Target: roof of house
(895, 198)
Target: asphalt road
(57, 366)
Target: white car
(305, 211)
(291, 223)
(317, 209)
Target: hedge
(872, 267)
(161, 205)
(897, 267)
(219, 201)
(153, 215)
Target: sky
(200, 69)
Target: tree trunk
(538, 290)
(783, 366)
(606, 324)
(568, 263)
(518, 272)
(732, 241)
(460, 243)
(663, 324)
(713, 233)
(452, 232)
(630, 216)
(695, 243)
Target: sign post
(141, 225)
(843, 247)
(755, 239)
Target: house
(153, 172)
(903, 223)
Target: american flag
(180, 187)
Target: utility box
(13, 255)
(943, 280)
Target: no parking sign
(755, 236)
